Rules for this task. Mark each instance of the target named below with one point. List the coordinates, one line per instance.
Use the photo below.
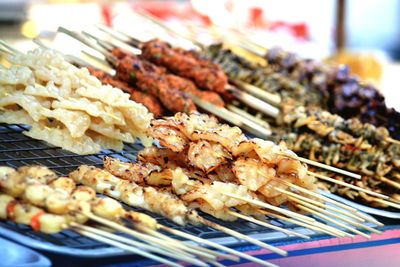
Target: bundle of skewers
(311, 83)
(36, 196)
(376, 176)
(203, 165)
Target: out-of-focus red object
(257, 17)
(106, 11)
(299, 30)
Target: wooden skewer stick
(249, 116)
(215, 245)
(390, 204)
(394, 141)
(169, 29)
(369, 218)
(134, 243)
(141, 236)
(199, 251)
(327, 218)
(316, 227)
(114, 243)
(324, 166)
(314, 194)
(229, 250)
(335, 215)
(9, 47)
(273, 99)
(265, 224)
(149, 239)
(320, 204)
(231, 117)
(255, 102)
(83, 39)
(271, 207)
(332, 180)
(201, 241)
(390, 182)
(216, 263)
(243, 237)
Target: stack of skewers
(202, 165)
(373, 153)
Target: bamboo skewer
(125, 247)
(229, 250)
(390, 182)
(390, 204)
(324, 166)
(326, 178)
(255, 102)
(267, 225)
(320, 204)
(324, 217)
(273, 99)
(394, 141)
(83, 229)
(227, 115)
(314, 194)
(334, 215)
(271, 207)
(169, 29)
(236, 119)
(201, 252)
(243, 237)
(325, 229)
(248, 116)
(216, 263)
(131, 242)
(369, 218)
(136, 234)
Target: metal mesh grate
(17, 150)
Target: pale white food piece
(61, 138)
(77, 122)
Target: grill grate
(17, 150)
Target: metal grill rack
(17, 150)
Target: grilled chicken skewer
(41, 187)
(146, 197)
(201, 71)
(48, 223)
(270, 98)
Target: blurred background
(361, 33)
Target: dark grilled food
(186, 64)
(346, 94)
(149, 101)
(348, 144)
(264, 77)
